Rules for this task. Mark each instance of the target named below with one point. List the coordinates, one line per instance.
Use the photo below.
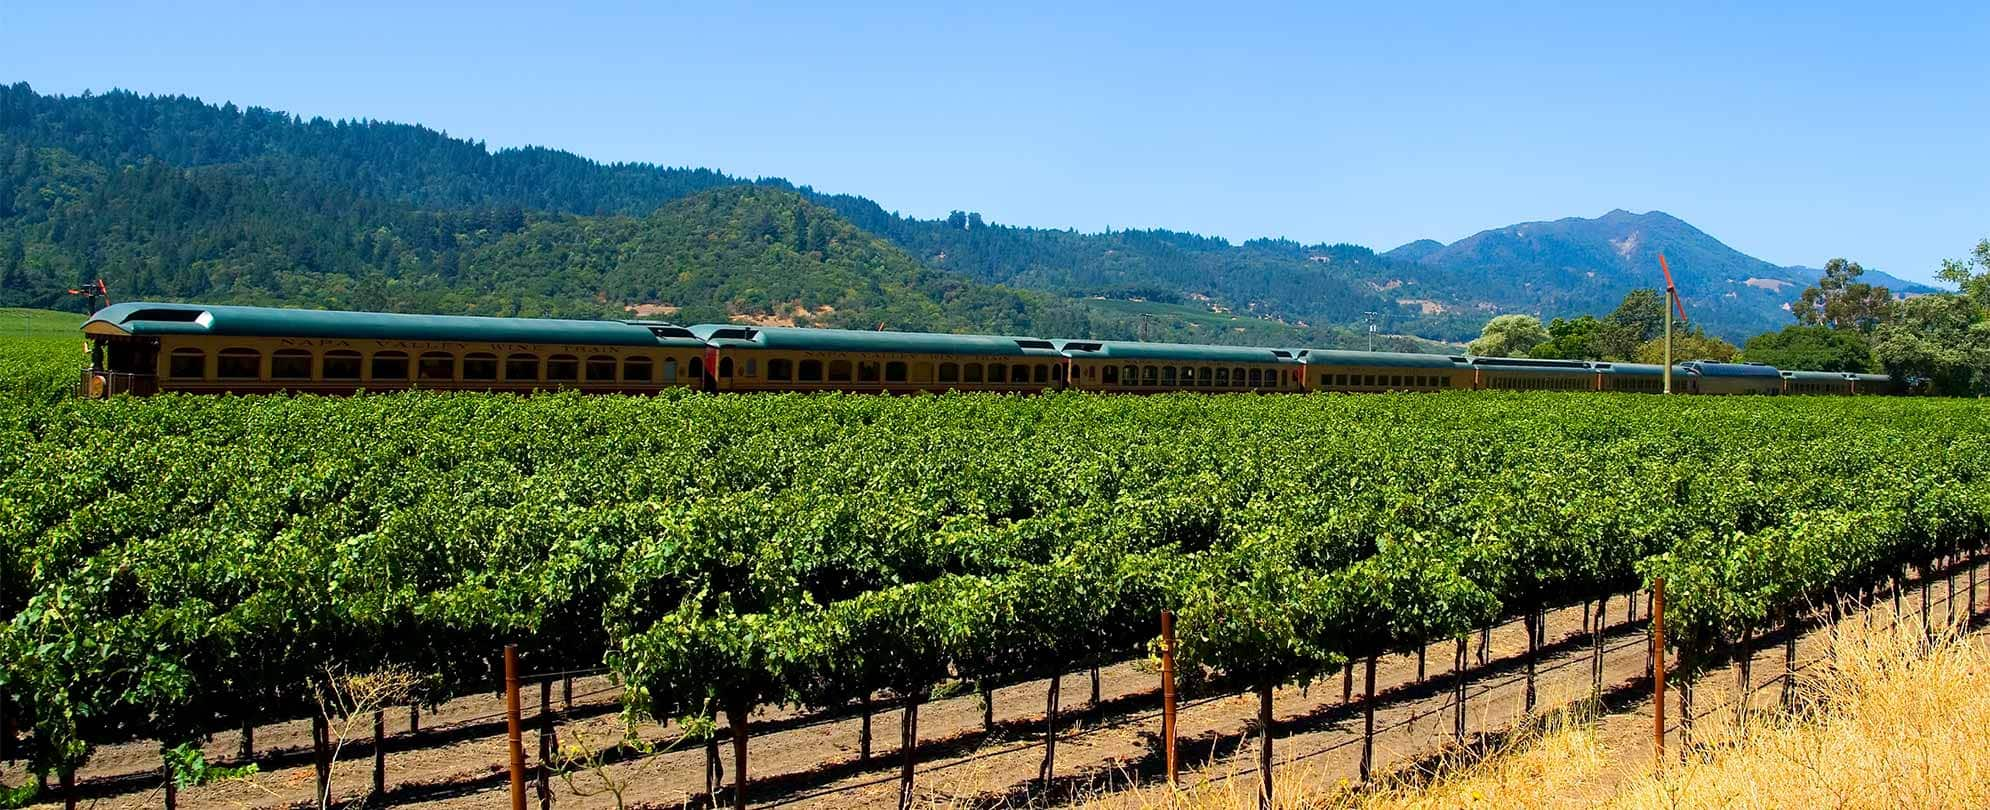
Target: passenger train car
(146, 348)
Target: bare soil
(457, 759)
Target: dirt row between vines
(458, 758)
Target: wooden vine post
(543, 775)
(511, 725)
(1657, 607)
(1596, 651)
(1458, 693)
(736, 720)
(1264, 750)
(1790, 628)
(1533, 627)
(1050, 699)
(380, 752)
(909, 747)
(1973, 592)
(1168, 697)
(1368, 722)
(864, 731)
(321, 757)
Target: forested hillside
(169, 196)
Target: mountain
(1576, 265)
(169, 196)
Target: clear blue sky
(1793, 131)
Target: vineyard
(177, 566)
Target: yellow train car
(780, 358)
(1152, 368)
(1374, 372)
(145, 348)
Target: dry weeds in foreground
(1889, 727)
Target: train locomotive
(145, 348)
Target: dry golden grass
(1894, 725)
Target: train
(144, 348)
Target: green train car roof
(1709, 368)
(1342, 357)
(1184, 352)
(146, 318)
(800, 339)
(1529, 365)
(1817, 376)
(1638, 369)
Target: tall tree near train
(1508, 336)
(1811, 348)
(1839, 300)
(1687, 345)
(1940, 338)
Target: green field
(16, 323)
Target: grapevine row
(177, 565)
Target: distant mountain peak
(1414, 251)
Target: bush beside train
(144, 348)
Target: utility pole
(1671, 300)
(1371, 328)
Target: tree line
(1940, 340)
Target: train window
(341, 365)
(970, 372)
(436, 366)
(669, 370)
(1257, 378)
(1042, 373)
(290, 364)
(239, 364)
(1149, 375)
(839, 371)
(998, 373)
(562, 368)
(521, 367)
(725, 368)
(187, 364)
(1111, 376)
(600, 368)
(894, 371)
(1223, 377)
(480, 366)
(1167, 375)
(1237, 376)
(809, 371)
(949, 372)
(1131, 374)
(1057, 373)
(1204, 376)
(637, 369)
(780, 369)
(696, 368)
(750, 367)
(867, 372)
(390, 366)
